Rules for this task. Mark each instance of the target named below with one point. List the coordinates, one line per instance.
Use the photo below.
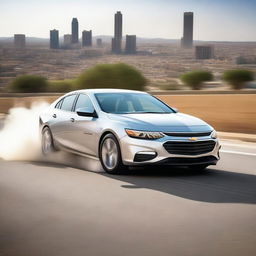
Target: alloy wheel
(109, 153)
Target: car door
(63, 119)
(84, 130)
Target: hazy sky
(232, 20)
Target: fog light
(144, 156)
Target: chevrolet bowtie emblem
(193, 139)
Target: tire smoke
(20, 140)
(19, 137)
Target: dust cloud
(20, 140)
(19, 137)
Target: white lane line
(238, 152)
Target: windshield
(124, 103)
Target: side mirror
(175, 109)
(86, 112)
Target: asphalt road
(51, 209)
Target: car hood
(162, 122)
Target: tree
(29, 83)
(194, 79)
(118, 75)
(237, 78)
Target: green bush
(194, 79)
(118, 75)
(29, 83)
(60, 86)
(237, 78)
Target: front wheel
(110, 155)
(47, 142)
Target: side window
(68, 102)
(58, 105)
(84, 102)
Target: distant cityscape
(71, 41)
(64, 56)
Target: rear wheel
(110, 155)
(47, 142)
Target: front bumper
(132, 147)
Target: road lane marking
(238, 152)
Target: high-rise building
(118, 33)
(99, 42)
(20, 41)
(187, 40)
(54, 39)
(130, 44)
(87, 38)
(118, 25)
(74, 28)
(67, 39)
(204, 52)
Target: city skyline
(229, 20)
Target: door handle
(54, 115)
(72, 119)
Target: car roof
(106, 90)
(98, 90)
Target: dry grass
(229, 113)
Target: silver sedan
(125, 128)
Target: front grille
(189, 148)
(181, 161)
(187, 134)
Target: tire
(110, 155)
(198, 168)
(47, 145)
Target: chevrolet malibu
(125, 128)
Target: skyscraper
(19, 41)
(117, 40)
(54, 39)
(87, 38)
(74, 28)
(130, 44)
(118, 25)
(187, 40)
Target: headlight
(214, 134)
(144, 134)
